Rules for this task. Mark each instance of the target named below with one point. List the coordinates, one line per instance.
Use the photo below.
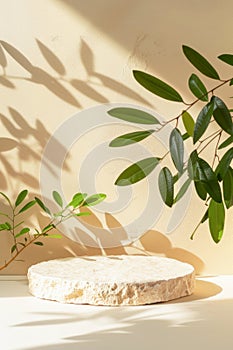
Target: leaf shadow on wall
(158, 243)
(21, 130)
(18, 147)
(83, 245)
(153, 242)
(55, 84)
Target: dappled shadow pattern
(158, 243)
(65, 247)
(184, 326)
(86, 244)
(21, 131)
(17, 146)
(18, 127)
(55, 84)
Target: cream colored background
(99, 43)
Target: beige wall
(96, 45)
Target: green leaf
(228, 188)
(216, 214)
(176, 146)
(175, 178)
(188, 123)
(137, 171)
(200, 190)
(38, 243)
(57, 198)
(227, 58)
(182, 190)
(83, 213)
(21, 197)
(204, 172)
(166, 186)
(198, 88)
(157, 86)
(133, 115)
(5, 226)
(13, 248)
(7, 199)
(22, 232)
(128, 139)
(224, 164)
(205, 216)
(27, 206)
(208, 178)
(200, 62)
(8, 226)
(203, 121)
(222, 115)
(192, 165)
(48, 228)
(94, 199)
(77, 199)
(57, 235)
(227, 142)
(41, 204)
(185, 136)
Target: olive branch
(213, 182)
(23, 236)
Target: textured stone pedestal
(113, 280)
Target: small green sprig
(24, 236)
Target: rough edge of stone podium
(110, 293)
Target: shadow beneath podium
(203, 290)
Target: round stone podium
(111, 280)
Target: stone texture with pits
(111, 280)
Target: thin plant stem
(216, 149)
(190, 105)
(13, 230)
(211, 140)
(195, 230)
(19, 251)
(206, 138)
(36, 236)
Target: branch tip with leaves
(23, 236)
(213, 184)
